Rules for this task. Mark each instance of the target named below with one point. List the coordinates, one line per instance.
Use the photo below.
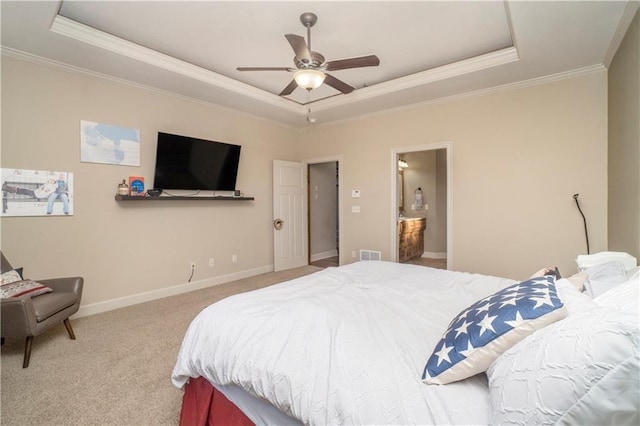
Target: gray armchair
(28, 317)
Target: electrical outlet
(193, 264)
(353, 254)
(234, 258)
(212, 262)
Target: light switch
(355, 193)
(355, 209)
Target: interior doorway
(324, 212)
(422, 205)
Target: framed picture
(36, 193)
(108, 144)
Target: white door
(289, 215)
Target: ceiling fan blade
(338, 84)
(299, 47)
(265, 69)
(362, 61)
(289, 89)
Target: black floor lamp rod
(586, 234)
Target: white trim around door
(393, 171)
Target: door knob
(277, 224)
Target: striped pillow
(11, 276)
(23, 288)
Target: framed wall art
(108, 144)
(36, 193)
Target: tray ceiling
(428, 50)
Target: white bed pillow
(578, 280)
(586, 261)
(625, 297)
(634, 272)
(604, 277)
(574, 300)
(483, 331)
(583, 369)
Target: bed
(369, 343)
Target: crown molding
(548, 79)
(84, 33)
(477, 63)
(625, 21)
(39, 60)
(75, 30)
(20, 55)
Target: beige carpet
(118, 371)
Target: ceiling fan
(310, 67)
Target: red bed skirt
(204, 405)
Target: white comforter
(342, 346)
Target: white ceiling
(428, 50)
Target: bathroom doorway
(422, 205)
(324, 213)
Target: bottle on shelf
(123, 188)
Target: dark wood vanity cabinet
(411, 238)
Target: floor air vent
(370, 255)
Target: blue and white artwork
(108, 144)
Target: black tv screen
(189, 163)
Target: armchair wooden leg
(67, 324)
(27, 351)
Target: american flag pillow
(478, 335)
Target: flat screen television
(188, 163)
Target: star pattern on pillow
(477, 327)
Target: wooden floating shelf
(180, 197)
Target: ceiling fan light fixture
(309, 79)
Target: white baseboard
(122, 302)
(324, 255)
(434, 255)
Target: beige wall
(624, 144)
(127, 249)
(518, 157)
